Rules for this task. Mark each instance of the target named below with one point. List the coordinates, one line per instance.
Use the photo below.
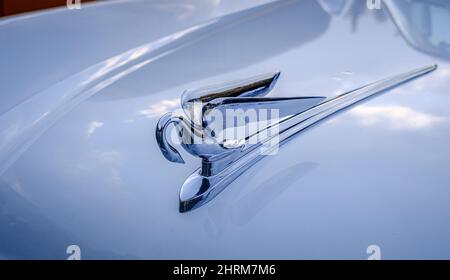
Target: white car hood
(81, 164)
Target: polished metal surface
(195, 129)
(79, 158)
(223, 160)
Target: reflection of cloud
(8, 134)
(161, 107)
(106, 162)
(394, 117)
(16, 186)
(93, 126)
(435, 81)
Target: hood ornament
(228, 146)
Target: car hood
(80, 163)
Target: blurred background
(12, 7)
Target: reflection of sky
(116, 179)
(394, 117)
(437, 82)
(93, 126)
(160, 108)
(424, 24)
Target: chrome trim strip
(221, 164)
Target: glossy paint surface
(80, 164)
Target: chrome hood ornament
(206, 130)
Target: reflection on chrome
(222, 163)
(423, 24)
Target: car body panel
(93, 175)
